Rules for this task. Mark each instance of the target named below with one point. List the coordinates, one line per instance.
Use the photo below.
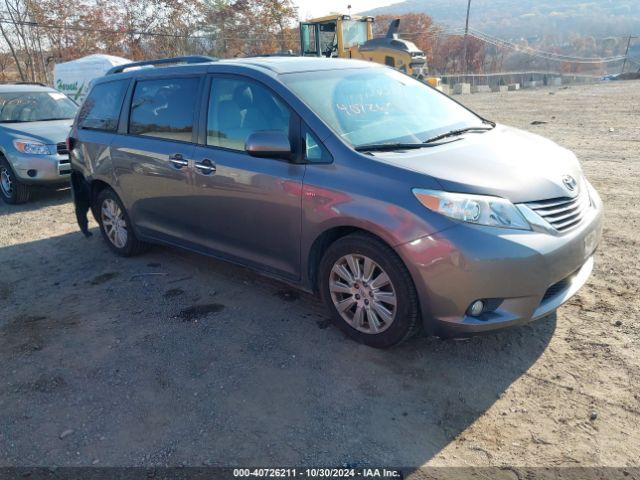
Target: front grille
(562, 213)
(64, 166)
(61, 148)
(556, 288)
(560, 286)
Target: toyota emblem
(570, 183)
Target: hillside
(530, 18)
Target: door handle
(206, 166)
(178, 160)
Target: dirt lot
(175, 359)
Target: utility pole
(466, 34)
(626, 54)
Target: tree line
(39, 33)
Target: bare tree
(5, 61)
(39, 32)
(250, 27)
(10, 28)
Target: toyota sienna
(403, 209)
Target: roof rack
(162, 61)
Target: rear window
(164, 108)
(101, 109)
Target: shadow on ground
(173, 358)
(41, 197)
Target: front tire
(369, 291)
(115, 225)
(12, 190)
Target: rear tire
(115, 225)
(377, 304)
(11, 189)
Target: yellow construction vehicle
(348, 36)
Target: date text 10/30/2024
(317, 473)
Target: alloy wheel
(114, 223)
(363, 293)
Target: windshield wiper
(51, 119)
(12, 121)
(455, 133)
(383, 147)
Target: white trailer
(74, 78)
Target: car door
(247, 208)
(152, 157)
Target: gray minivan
(403, 209)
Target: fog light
(476, 308)
(32, 173)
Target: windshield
(354, 32)
(35, 107)
(379, 105)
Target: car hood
(49, 133)
(504, 162)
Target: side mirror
(269, 144)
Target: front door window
(238, 108)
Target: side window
(238, 108)
(101, 109)
(164, 108)
(315, 152)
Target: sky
(316, 8)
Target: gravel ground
(176, 359)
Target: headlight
(478, 209)
(31, 147)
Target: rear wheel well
(323, 242)
(97, 186)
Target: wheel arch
(322, 243)
(4, 156)
(96, 187)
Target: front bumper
(528, 275)
(41, 169)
